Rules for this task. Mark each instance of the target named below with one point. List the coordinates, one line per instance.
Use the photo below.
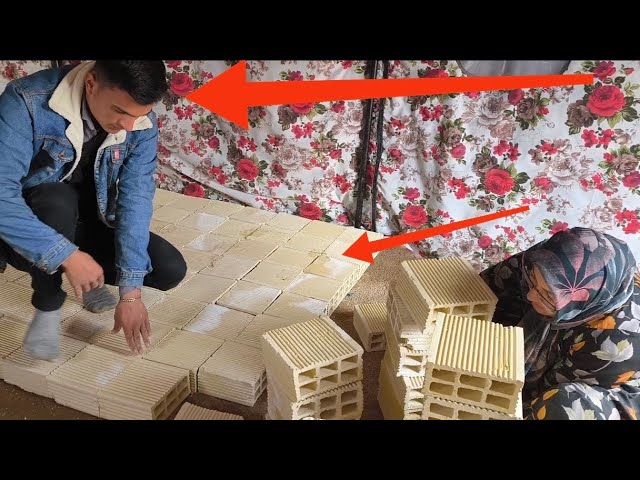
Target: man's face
(114, 109)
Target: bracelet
(130, 300)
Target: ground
(16, 404)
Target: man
(77, 161)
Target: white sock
(42, 340)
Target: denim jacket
(43, 112)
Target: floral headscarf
(589, 274)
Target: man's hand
(132, 317)
(83, 272)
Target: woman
(576, 299)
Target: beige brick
(203, 222)
(230, 266)
(222, 209)
(342, 403)
(314, 286)
(254, 249)
(405, 361)
(253, 215)
(220, 322)
(333, 268)
(476, 362)
(308, 243)
(197, 261)
(447, 285)
(369, 320)
(77, 382)
(12, 334)
(272, 275)
(145, 390)
(407, 390)
(249, 297)
(170, 214)
(286, 221)
(440, 409)
(117, 342)
(203, 288)
(157, 225)
(191, 204)
(311, 357)
(179, 235)
(175, 311)
(212, 243)
(185, 350)
(236, 229)
(28, 373)
(163, 197)
(235, 372)
(189, 411)
(317, 228)
(273, 235)
(291, 257)
(390, 405)
(404, 327)
(257, 327)
(296, 307)
(85, 325)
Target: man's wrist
(130, 292)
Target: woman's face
(539, 293)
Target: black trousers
(56, 204)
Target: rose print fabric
(571, 154)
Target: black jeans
(56, 204)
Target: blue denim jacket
(43, 112)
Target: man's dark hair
(145, 81)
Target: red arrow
(362, 248)
(230, 95)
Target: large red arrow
(230, 95)
(362, 248)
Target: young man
(77, 158)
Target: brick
(29, 374)
(404, 360)
(189, 411)
(77, 382)
(369, 320)
(342, 403)
(311, 357)
(476, 362)
(391, 406)
(145, 390)
(447, 285)
(185, 350)
(235, 372)
(440, 409)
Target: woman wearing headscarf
(577, 299)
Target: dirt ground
(16, 404)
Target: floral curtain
(296, 158)
(570, 153)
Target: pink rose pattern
(294, 158)
(572, 154)
(13, 69)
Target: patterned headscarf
(589, 274)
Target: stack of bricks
(314, 369)
(368, 321)
(475, 371)
(430, 367)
